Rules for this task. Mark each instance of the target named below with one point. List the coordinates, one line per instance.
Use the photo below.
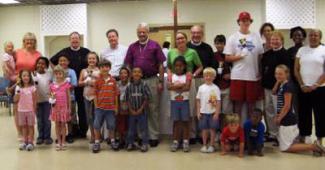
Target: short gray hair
(317, 30)
(144, 25)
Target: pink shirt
(60, 93)
(26, 60)
(8, 66)
(26, 103)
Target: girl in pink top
(60, 100)
(25, 96)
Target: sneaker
(319, 146)
(57, 147)
(186, 147)
(48, 141)
(154, 143)
(174, 147)
(96, 148)
(144, 148)
(308, 140)
(204, 149)
(210, 149)
(130, 147)
(22, 146)
(30, 147)
(69, 138)
(115, 145)
(39, 141)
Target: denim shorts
(102, 115)
(207, 122)
(180, 110)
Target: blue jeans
(142, 121)
(43, 121)
(102, 115)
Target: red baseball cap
(244, 15)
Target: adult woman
(271, 59)
(25, 58)
(309, 72)
(266, 32)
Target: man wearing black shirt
(78, 61)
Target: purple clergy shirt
(147, 57)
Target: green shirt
(191, 57)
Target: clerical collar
(75, 49)
(277, 49)
(196, 44)
(144, 43)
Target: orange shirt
(106, 93)
(26, 60)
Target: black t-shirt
(78, 59)
(205, 52)
(290, 118)
(270, 60)
(292, 51)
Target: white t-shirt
(165, 51)
(312, 61)
(250, 46)
(206, 94)
(174, 95)
(116, 57)
(42, 84)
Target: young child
(208, 109)
(61, 105)
(8, 66)
(87, 80)
(106, 104)
(42, 79)
(222, 79)
(72, 79)
(254, 133)
(121, 125)
(232, 137)
(137, 95)
(179, 84)
(286, 118)
(25, 95)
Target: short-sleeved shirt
(11, 63)
(148, 57)
(255, 132)
(137, 93)
(191, 57)
(26, 103)
(106, 93)
(42, 83)
(312, 61)
(116, 57)
(290, 118)
(179, 79)
(77, 58)
(228, 136)
(207, 94)
(26, 60)
(247, 68)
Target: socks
(97, 141)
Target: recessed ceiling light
(8, 2)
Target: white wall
(219, 16)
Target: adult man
(147, 55)
(115, 53)
(77, 56)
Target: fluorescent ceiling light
(8, 2)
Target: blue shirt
(290, 118)
(255, 133)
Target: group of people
(120, 91)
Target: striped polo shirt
(106, 93)
(136, 93)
